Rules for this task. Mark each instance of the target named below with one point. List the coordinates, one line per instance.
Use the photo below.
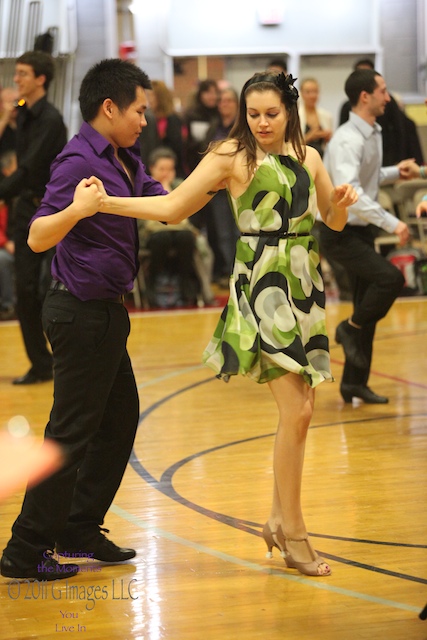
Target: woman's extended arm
(332, 201)
(190, 196)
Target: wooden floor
(197, 492)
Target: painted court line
(257, 567)
(173, 374)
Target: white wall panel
(232, 26)
(22, 20)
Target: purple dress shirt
(98, 258)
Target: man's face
(379, 98)
(128, 124)
(26, 81)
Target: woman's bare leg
(295, 401)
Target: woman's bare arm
(190, 196)
(332, 202)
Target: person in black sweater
(40, 136)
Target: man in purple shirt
(96, 408)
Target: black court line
(165, 486)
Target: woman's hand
(93, 181)
(344, 196)
(99, 184)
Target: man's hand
(402, 231)
(87, 198)
(408, 169)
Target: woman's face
(267, 119)
(310, 93)
(209, 98)
(227, 105)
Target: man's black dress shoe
(99, 548)
(32, 378)
(349, 338)
(46, 569)
(350, 391)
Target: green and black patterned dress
(274, 320)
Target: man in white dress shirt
(354, 155)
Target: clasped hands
(408, 169)
(89, 196)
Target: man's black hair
(111, 78)
(358, 81)
(42, 64)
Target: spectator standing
(198, 118)
(165, 128)
(223, 232)
(40, 136)
(8, 113)
(316, 123)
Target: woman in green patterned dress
(273, 326)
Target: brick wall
(186, 76)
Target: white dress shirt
(354, 156)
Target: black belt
(276, 234)
(55, 285)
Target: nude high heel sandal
(273, 540)
(307, 568)
(278, 540)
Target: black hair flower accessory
(286, 86)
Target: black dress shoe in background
(47, 569)
(349, 337)
(99, 548)
(32, 378)
(350, 391)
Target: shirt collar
(36, 109)
(364, 127)
(101, 144)
(95, 139)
